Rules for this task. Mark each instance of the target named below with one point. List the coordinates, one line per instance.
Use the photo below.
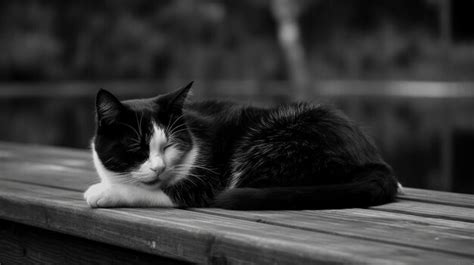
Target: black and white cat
(168, 152)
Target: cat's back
(300, 117)
(275, 120)
(212, 108)
(317, 128)
(221, 113)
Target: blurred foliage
(219, 39)
(135, 39)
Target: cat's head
(142, 142)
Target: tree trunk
(286, 14)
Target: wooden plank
(35, 150)
(48, 174)
(196, 237)
(64, 156)
(401, 229)
(438, 197)
(22, 244)
(430, 210)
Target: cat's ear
(108, 107)
(175, 100)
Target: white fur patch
(117, 189)
(110, 192)
(105, 175)
(186, 165)
(114, 195)
(400, 189)
(234, 180)
(156, 162)
(158, 140)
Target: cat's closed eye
(166, 146)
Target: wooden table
(44, 219)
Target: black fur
(297, 156)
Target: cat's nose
(157, 165)
(157, 170)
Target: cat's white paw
(400, 189)
(101, 195)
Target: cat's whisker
(125, 179)
(123, 175)
(109, 160)
(168, 126)
(172, 128)
(195, 179)
(187, 175)
(177, 119)
(191, 181)
(209, 170)
(140, 124)
(195, 166)
(176, 131)
(178, 127)
(134, 147)
(174, 135)
(181, 171)
(175, 122)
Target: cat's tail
(371, 191)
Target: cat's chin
(157, 181)
(152, 182)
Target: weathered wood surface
(22, 244)
(42, 187)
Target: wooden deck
(44, 219)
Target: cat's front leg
(104, 195)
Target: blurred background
(404, 69)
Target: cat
(168, 151)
